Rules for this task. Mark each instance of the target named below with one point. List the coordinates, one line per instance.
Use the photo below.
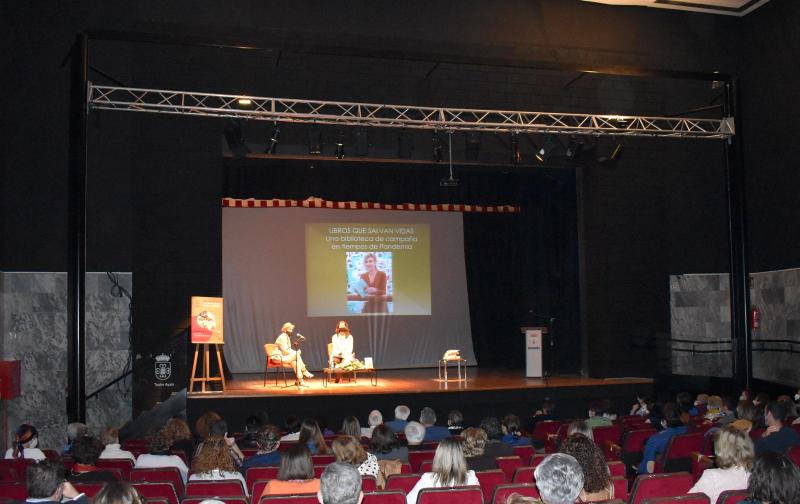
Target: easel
(207, 378)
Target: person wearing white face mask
(26, 441)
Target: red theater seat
(323, 460)
(368, 483)
(489, 480)
(607, 437)
(160, 490)
(693, 498)
(404, 482)
(384, 497)
(732, 496)
(13, 492)
(226, 499)
(650, 486)
(416, 458)
(222, 488)
(425, 467)
(616, 468)
(289, 499)
(169, 475)
(508, 465)
(257, 488)
(123, 465)
(620, 487)
(678, 456)
(524, 475)
(260, 474)
(546, 431)
(524, 452)
(90, 489)
(502, 492)
(461, 495)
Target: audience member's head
(296, 464)
(733, 448)
(774, 413)
(788, 404)
(596, 476)
(559, 479)
(351, 427)
(402, 412)
(110, 436)
(701, 400)
(76, 430)
(449, 466)
(86, 450)
(340, 484)
(516, 498)
(729, 404)
(714, 402)
(46, 480)
(253, 423)
(746, 411)
(26, 436)
(580, 427)
(596, 408)
(511, 424)
(159, 444)
(176, 430)
(310, 432)
(203, 424)
(548, 407)
(292, 424)
(117, 492)
(375, 418)
(383, 440)
(775, 480)
(455, 419)
(415, 433)
(492, 427)
(761, 400)
(427, 417)
(214, 454)
(268, 438)
(348, 449)
(672, 416)
(474, 441)
(684, 402)
(219, 428)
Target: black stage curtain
(520, 267)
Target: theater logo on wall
(163, 370)
(207, 320)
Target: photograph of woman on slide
(369, 282)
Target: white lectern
(534, 337)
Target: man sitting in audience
(401, 414)
(340, 484)
(656, 444)
(374, 419)
(292, 428)
(415, 435)
(495, 447)
(46, 484)
(776, 438)
(427, 417)
(268, 439)
(74, 431)
(545, 413)
(85, 450)
(112, 450)
(559, 479)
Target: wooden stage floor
(410, 381)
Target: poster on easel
(207, 320)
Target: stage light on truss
(315, 141)
(573, 149)
(234, 136)
(438, 148)
(516, 153)
(340, 146)
(244, 101)
(272, 144)
(473, 147)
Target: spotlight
(540, 153)
(573, 149)
(234, 136)
(437, 146)
(340, 146)
(314, 141)
(244, 101)
(516, 153)
(405, 144)
(272, 145)
(473, 148)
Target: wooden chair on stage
(275, 360)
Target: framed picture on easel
(207, 330)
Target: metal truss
(400, 116)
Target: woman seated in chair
(449, 469)
(342, 346)
(596, 476)
(285, 353)
(214, 462)
(311, 437)
(296, 474)
(348, 449)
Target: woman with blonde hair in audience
(734, 457)
(214, 462)
(348, 449)
(449, 469)
(296, 474)
(596, 476)
(117, 492)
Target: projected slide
(368, 268)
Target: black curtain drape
(518, 265)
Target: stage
(485, 392)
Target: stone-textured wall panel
(777, 295)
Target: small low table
(329, 373)
(443, 363)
